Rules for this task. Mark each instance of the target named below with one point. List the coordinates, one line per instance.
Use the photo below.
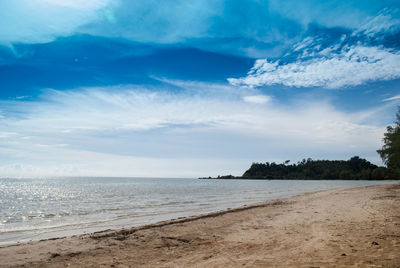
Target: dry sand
(335, 228)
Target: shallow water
(34, 209)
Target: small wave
(172, 203)
(57, 226)
(82, 213)
(111, 209)
(41, 216)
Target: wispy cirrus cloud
(385, 22)
(397, 97)
(333, 62)
(351, 66)
(246, 27)
(137, 130)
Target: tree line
(355, 168)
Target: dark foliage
(355, 168)
(390, 152)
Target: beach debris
(54, 255)
(375, 243)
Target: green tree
(390, 152)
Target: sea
(36, 209)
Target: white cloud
(259, 99)
(128, 131)
(35, 21)
(352, 66)
(385, 22)
(344, 63)
(397, 97)
(88, 163)
(78, 4)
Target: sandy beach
(357, 226)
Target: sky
(195, 88)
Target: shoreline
(172, 221)
(182, 234)
(269, 190)
(231, 177)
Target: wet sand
(357, 226)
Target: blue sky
(192, 88)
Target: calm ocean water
(34, 209)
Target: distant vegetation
(355, 168)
